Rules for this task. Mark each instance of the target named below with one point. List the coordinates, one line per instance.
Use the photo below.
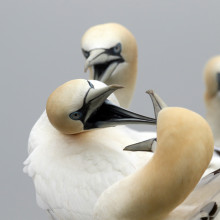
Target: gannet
(212, 96)
(73, 154)
(111, 56)
(184, 149)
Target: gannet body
(184, 150)
(73, 154)
(111, 56)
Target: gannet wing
(51, 170)
(72, 200)
(203, 202)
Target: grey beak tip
(127, 148)
(150, 91)
(116, 86)
(142, 146)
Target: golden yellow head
(106, 36)
(66, 99)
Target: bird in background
(111, 56)
(75, 153)
(212, 98)
(155, 191)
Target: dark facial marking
(85, 53)
(82, 111)
(210, 209)
(90, 84)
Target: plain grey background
(40, 49)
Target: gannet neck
(184, 150)
(211, 70)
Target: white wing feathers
(71, 171)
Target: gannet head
(212, 77)
(80, 105)
(109, 49)
(179, 128)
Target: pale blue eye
(75, 115)
(117, 48)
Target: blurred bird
(111, 56)
(184, 150)
(74, 154)
(212, 98)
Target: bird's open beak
(149, 145)
(101, 113)
(103, 63)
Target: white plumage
(70, 171)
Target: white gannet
(184, 150)
(212, 97)
(111, 56)
(73, 154)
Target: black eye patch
(90, 84)
(116, 50)
(85, 53)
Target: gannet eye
(117, 48)
(85, 53)
(75, 115)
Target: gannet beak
(101, 113)
(103, 62)
(96, 97)
(149, 145)
(158, 103)
(95, 57)
(218, 81)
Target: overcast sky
(40, 49)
